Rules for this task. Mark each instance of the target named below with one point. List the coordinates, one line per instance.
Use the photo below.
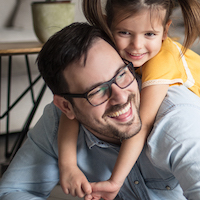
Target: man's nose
(119, 96)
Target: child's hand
(74, 182)
(106, 190)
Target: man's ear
(166, 29)
(64, 105)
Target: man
(77, 60)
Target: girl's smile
(139, 37)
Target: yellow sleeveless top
(171, 67)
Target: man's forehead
(102, 63)
(102, 52)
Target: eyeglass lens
(102, 93)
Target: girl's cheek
(119, 44)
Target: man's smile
(120, 112)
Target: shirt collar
(92, 140)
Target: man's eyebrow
(99, 83)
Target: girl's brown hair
(190, 8)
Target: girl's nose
(119, 96)
(136, 42)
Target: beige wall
(22, 28)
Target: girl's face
(139, 37)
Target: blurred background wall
(16, 19)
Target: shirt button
(100, 143)
(168, 188)
(136, 182)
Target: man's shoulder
(47, 125)
(179, 98)
(52, 111)
(177, 120)
(51, 115)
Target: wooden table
(19, 48)
(10, 50)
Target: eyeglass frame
(109, 83)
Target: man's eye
(92, 93)
(98, 91)
(122, 74)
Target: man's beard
(110, 130)
(113, 132)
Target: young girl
(139, 29)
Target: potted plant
(50, 16)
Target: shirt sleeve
(177, 137)
(33, 172)
(165, 68)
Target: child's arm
(72, 179)
(151, 99)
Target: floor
(57, 194)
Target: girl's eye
(124, 33)
(150, 34)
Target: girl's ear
(166, 29)
(64, 105)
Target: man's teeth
(120, 112)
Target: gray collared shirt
(168, 167)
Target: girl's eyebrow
(121, 28)
(153, 30)
(128, 30)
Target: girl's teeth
(136, 54)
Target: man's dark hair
(63, 48)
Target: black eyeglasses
(100, 94)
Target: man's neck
(104, 138)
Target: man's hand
(74, 182)
(106, 190)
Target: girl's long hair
(93, 12)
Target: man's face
(117, 118)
